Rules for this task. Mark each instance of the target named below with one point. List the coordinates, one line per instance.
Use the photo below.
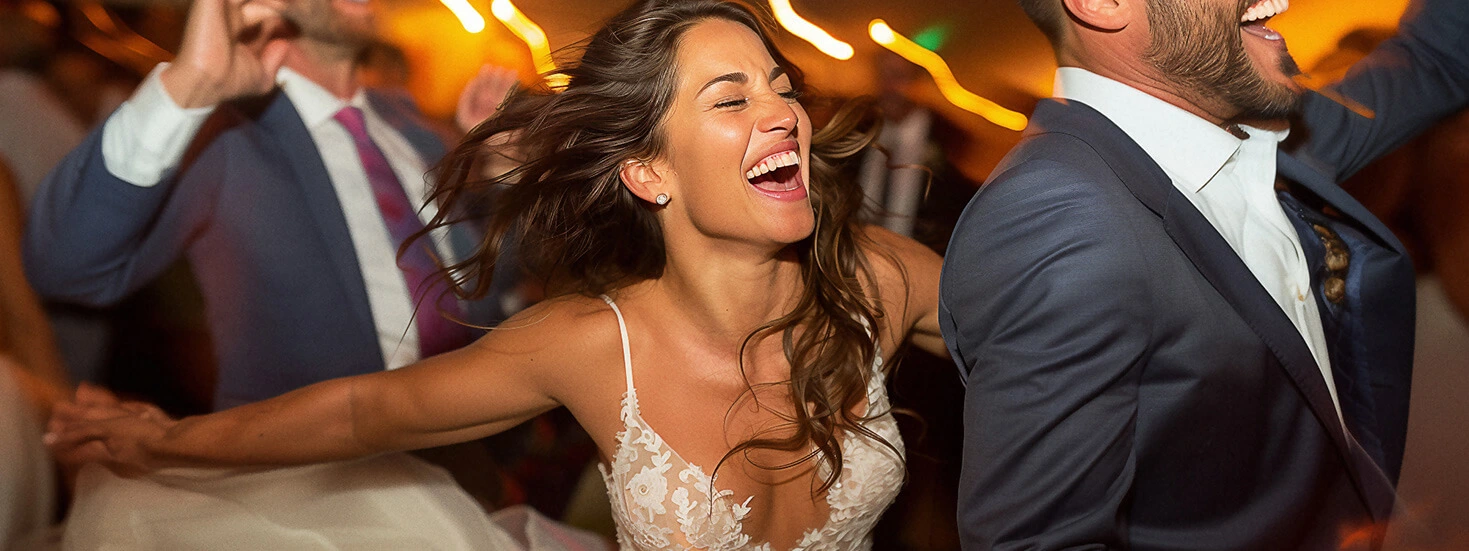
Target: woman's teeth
(773, 162)
(1265, 9)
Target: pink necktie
(432, 302)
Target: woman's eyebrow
(737, 78)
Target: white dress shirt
(1232, 183)
(149, 134)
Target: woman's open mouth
(778, 175)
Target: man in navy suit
(243, 156)
(1176, 331)
(289, 188)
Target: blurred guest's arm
(1409, 83)
(483, 95)
(111, 216)
(230, 50)
(25, 333)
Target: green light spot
(933, 36)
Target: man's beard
(1204, 54)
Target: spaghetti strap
(626, 350)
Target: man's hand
(231, 49)
(483, 95)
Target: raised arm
(113, 214)
(505, 378)
(1410, 82)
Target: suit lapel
(1202, 244)
(1301, 173)
(1374, 481)
(1229, 275)
(284, 124)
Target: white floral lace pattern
(661, 502)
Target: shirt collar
(315, 104)
(1190, 149)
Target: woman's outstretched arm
(486, 387)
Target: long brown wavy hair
(566, 215)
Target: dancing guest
(288, 187)
(719, 322)
(1178, 333)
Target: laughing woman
(720, 320)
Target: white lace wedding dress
(662, 502)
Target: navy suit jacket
(254, 212)
(1131, 385)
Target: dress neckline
(632, 414)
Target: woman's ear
(643, 179)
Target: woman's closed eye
(731, 103)
(791, 96)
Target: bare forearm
(312, 424)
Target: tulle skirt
(389, 502)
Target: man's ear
(1105, 15)
(642, 179)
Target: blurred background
(67, 64)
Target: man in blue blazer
(1176, 331)
(241, 157)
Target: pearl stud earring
(662, 199)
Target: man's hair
(1048, 15)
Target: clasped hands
(96, 426)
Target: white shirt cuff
(149, 134)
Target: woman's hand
(96, 427)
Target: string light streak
(468, 16)
(116, 41)
(948, 86)
(808, 31)
(534, 38)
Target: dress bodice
(663, 502)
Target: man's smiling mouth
(1254, 19)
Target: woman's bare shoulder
(564, 328)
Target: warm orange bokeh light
(443, 56)
(948, 86)
(808, 31)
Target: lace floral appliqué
(661, 502)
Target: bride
(719, 320)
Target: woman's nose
(777, 115)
